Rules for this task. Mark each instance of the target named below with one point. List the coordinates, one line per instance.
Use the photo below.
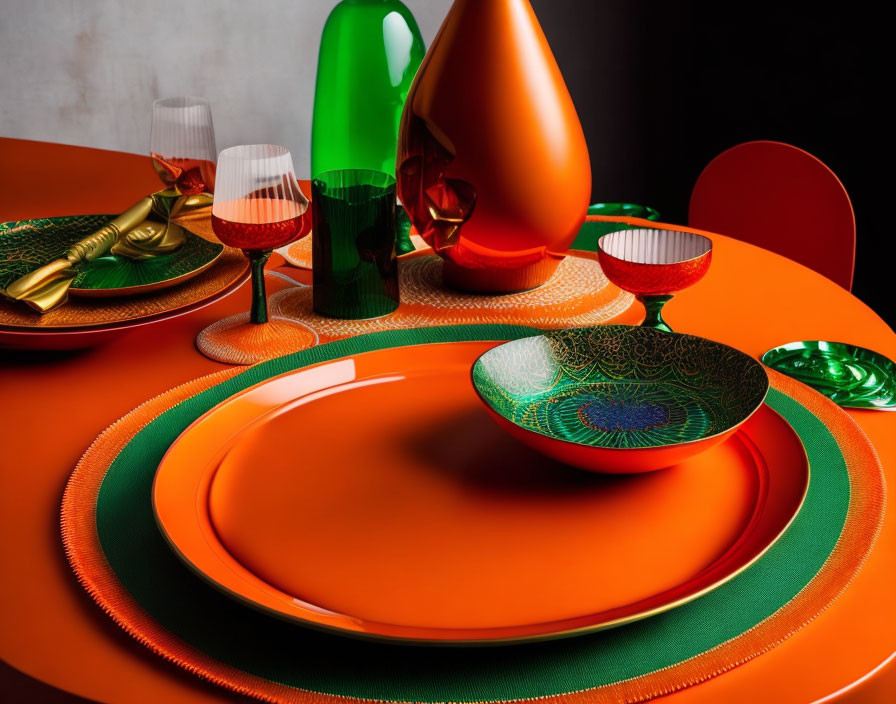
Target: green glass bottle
(369, 53)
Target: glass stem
(654, 307)
(259, 312)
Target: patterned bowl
(618, 399)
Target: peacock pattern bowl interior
(620, 387)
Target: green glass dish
(617, 398)
(628, 210)
(852, 377)
(591, 232)
(26, 245)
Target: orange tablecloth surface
(54, 404)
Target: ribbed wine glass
(258, 206)
(182, 144)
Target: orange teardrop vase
(492, 166)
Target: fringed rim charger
(116, 552)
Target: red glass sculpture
(492, 165)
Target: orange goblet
(653, 264)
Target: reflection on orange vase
(492, 162)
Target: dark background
(663, 87)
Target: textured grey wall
(86, 71)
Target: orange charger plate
(80, 338)
(374, 497)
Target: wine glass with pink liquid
(258, 207)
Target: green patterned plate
(27, 244)
(852, 377)
(619, 399)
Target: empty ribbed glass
(182, 144)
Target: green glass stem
(654, 307)
(257, 259)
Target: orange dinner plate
(373, 496)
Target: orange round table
(55, 404)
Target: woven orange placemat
(578, 295)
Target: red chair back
(780, 198)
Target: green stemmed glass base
(653, 305)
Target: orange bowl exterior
(654, 279)
(493, 167)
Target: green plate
(852, 377)
(619, 399)
(27, 244)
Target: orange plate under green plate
(373, 496)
